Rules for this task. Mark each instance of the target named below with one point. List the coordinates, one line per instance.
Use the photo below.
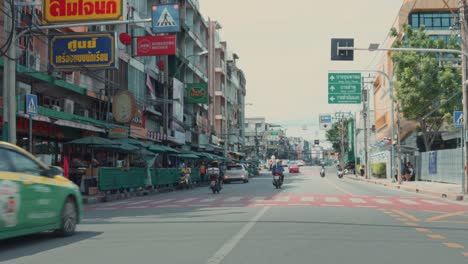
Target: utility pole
(464, 38)
(9, 75)
(365, 100)
(166, 95)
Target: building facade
(255, 144)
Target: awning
(162, 149)
(237, 153)
(132, 141)
(186, 156)
(66, 123)
(118, 147)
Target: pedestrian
(408, 171)
(202, 172)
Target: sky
(284, 50)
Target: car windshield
(234, 131)
(235, 168)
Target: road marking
(258, 198)
(338, 187)
(434, 202)
(136, 207)
(411, 224)
(209, 200)
(423, 230)
(453, 245)
(409, 202)
(407, 215)
(167, 205)
(394, 215)
(402, 219)
(382, 201)
(365, 206)
(357, 200)
(233, 199)
(162, 201)
(139, 202)
(332, 200)
(231, 243)
(186, 200)
(434, 236)
(438, 217)
(332, 205)
(281, 199)
(106, 208)
(307, 199)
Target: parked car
(35, 197)
(293, 167)
(236, 172)
(285, 163)
(300, 163)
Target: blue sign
(166, 18)
(75, 52)
(433, 162)
(458, 119)
(31, 104)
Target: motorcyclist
(278, 169)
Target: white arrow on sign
(332, 88)
(332, 98)
(332, 77)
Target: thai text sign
(197, 93)
(156, 45)
(78, 51)
(60, 11)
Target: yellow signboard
(72, 11)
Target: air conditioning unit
(86, 113)
(56, 108)
(34, 62)
(69, 106)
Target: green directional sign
(344, 88)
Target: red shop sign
(39, 127)
(156, 45)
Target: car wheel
(69, 219)
(245, 181)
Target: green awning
(186, 156)
(117, 147)
(162, 149)
(92, 141)
(132, 141)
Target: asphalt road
(311, 220)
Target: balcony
(219, 93)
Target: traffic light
(316, 142)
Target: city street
(312, 219)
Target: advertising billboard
(71, 11)
(156, 45)
(197, 93)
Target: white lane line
(136, 207)
(409, 202)
(382, 201)
(208, 200)
(357, 200)
(186, 200)
(111, 204)
(105, 208)
(162, 201)
(233, 199)
(307, 199)
(433, 202)
(332, 200)
(219, 256)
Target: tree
(334, 136)
(424, 83)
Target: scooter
(215, 186)
(277, 181)
(185, 182)
(340, 174)
(322, 172)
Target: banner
(197, 93)
(77, 51)
(156, 45)
(71, 11)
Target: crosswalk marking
(434, 202)
(233, 199)
(307, 199)
(258, 198)
(208, 200)
(186, 200)
(382, 201)
(357, 200)
(162, 201)
(136, 207)
(409, 202)
(332, 200)
(139, 202)
(281, 199)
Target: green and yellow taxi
(35, 197)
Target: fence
(442, 166)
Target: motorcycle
(340, 174)
(185, 182)
(215, 183)
(277, 181)
(215, 186)
(322, 172)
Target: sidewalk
(442, 190)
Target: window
(23, 164)
(4, 164)
(432, 21)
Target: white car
(237, 172)
(300, 163)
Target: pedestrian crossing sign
(458, 119)
(166, 18)
(31, 104)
